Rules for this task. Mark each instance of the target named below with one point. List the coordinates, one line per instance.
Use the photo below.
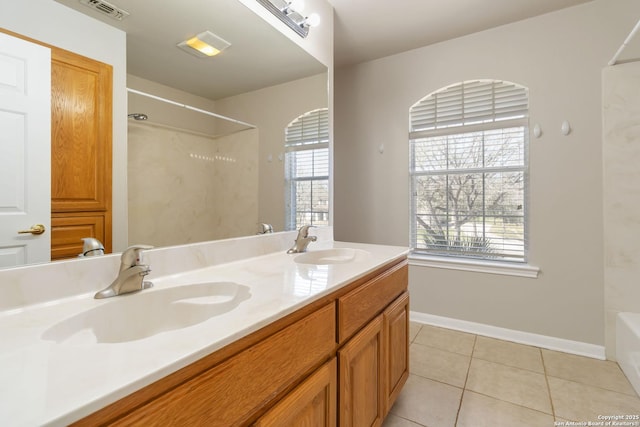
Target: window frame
(320, 141)
(458, 126)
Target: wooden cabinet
(81, 153)
(376, 358)
(396, 336)
(233, 392)
(374, 365)
(363, 303)
(361, 378)
(311, 404)
(296, 371)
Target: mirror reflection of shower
(138, 116)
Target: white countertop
(43, 382)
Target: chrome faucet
(264, 228)
(132, 271)
(302, 241)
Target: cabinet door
(81, 107)
(396, 333)
(311, 404)
(362, 376)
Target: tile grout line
(546, 380)
(519, 405)
(584, 384)
(411, 342)
(466, 378)
(410, 420)
(415, 336)
(438, 381)
(445, 350)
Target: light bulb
(312, 20)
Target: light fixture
(294, 6)
(290, 12)
(312, 20)
(205, 44)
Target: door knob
(35, 229)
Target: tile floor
(465, 380)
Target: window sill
(478, 266)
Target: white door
(25, 149)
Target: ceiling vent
(106, 8)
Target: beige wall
(271, 110)
(559, 57)
(55, 24)
(621, 152)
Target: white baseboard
(528, 338)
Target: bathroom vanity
(285, 338)
(287, 371)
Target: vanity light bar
(298, 27)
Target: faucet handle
(304, 230)
(132, 256)
(265, 228)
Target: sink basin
(332, 256)
(147, 313)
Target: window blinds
(468, 103)
(309, 129)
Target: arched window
(468, 148)
(307, 170)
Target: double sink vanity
(233, 332)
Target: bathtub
(628, 346)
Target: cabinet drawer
(233, 392)
(362, 304)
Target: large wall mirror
(192, 175)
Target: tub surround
(58, 383)
(211, 184)
(621, 201)
(628, 346)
